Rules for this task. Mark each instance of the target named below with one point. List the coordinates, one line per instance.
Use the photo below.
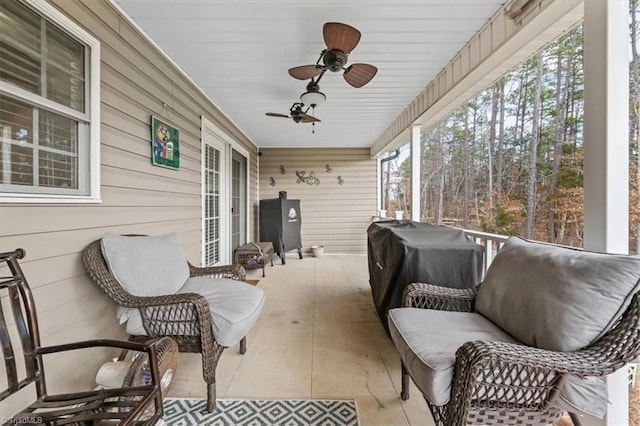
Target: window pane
(20, 46)
(57, 146)
(16, 164)
(16, 138)
(58, 165)
(58, 132)
(65, 69)
(57, 170)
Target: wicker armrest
(428, 296)
(586, 362)
(486, 368)
(183, 314)
(617, 347)
(234, 272)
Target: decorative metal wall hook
(309, 180)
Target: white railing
(491, 243)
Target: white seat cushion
(235, 306)
(427, 341)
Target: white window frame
(88, 180)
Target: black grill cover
(280, 223)
(402, 252)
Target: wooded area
(510, 161)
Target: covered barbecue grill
(401, 252)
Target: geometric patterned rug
(247, 412)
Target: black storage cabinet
(280, 224)
(401, 252)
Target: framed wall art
(165, 144)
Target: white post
(606, 151)
(379, 185)
(415, 174)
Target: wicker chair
(508, 383)
(164, 315)
(132, 405)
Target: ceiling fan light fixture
(313, 98)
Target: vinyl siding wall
(137, 197)
(333, 215)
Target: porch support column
(606, 150)
(415, 173)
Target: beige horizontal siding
(137, 197)
(333, 215)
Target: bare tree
(533, 151)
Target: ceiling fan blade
(305, 72)
(358, 75)
(275, 114)
(306, 118)
(341, 37)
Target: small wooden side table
(254, 255)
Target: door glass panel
(238, 200)
(212, 203)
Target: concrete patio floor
(318, 337)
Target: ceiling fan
(340, 39)
(298, 113)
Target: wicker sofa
(159, 293)
(535, 339)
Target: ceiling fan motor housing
(334, 60)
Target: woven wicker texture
(184, 317)
(510, 384)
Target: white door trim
(226, 143)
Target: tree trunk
(495, 97)
(561, 96)
(499, 167)
(533, 154)
(563, 224)
(440, 194)
(465, 170)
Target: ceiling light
(312, 98)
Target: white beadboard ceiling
(239, 51)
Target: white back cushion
(146, 266)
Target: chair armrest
(530, 375)
(617, 347)
(182, 314)
(120, 344)
(234, 272)
(429, 296)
